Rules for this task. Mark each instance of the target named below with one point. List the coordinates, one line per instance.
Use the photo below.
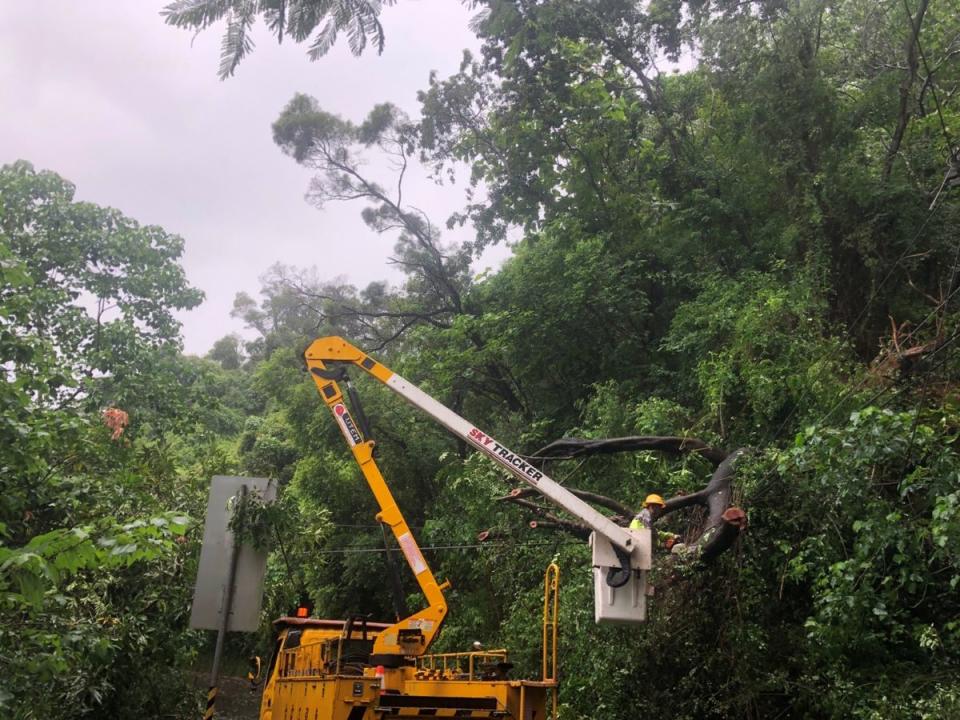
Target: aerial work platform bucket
(627, 603)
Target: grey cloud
(131, 111)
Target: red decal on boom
(480, 437)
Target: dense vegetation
(761, 251)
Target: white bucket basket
(626, 604)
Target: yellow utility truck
(360, 670)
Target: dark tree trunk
(723, 525)
(569, 448)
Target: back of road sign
(210, 589)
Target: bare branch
(569, 448)
(913, 62)
(575, 529)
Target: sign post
(225, 614)
(229, 587)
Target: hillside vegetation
(761, 252)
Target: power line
(933, 88)
(933, 207)
(946, 343)
(473, 546)
(371, 526)
(943, 304)
(883, 391)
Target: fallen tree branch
(492, 534)
(682, 501)
(723, 525)
(715, 496)
(712, 544)
(569, 448)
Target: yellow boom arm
(412, 635)
(625, 554)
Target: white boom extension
(621, 557)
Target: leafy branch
(28, 572)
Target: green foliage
(295, 19)
(48, 559)
(898, 476)
(266, 448)
(718, 253)
(94, 556)
(851, 530)
(714, 253)
(759, 350)
(228, 351)
(96, 291)
(69, 248)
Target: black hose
(618, 577)
(358, 414)
(396, 586)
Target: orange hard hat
(654, 500)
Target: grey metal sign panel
(210, 590)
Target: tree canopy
(755, 247)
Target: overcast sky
(131, 111)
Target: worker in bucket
(644, 518)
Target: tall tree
(103, 289)
(93, 560)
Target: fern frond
(237, 42)
(323, 41)
(305, 15)
(297, 19)
(478, 21)
(356, 33)
(275, 15)
(196, 14)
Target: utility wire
(883, 391)
(474, 546)
(951, 150)
(943, 304)
(896, 391)
(949, 341)
(873, 295)
(371, 525)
